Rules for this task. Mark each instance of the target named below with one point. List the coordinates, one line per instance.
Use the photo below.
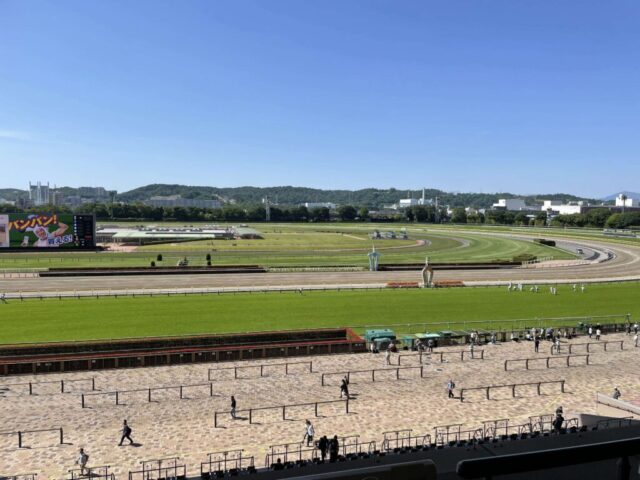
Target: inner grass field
(302, 245)
(89, 318)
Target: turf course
(303, 245)
(73, 319)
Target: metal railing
(373, 371)
(512, 386)
(261, 368)
(404, 439)
(93, 473)
(21, 434)
(527, 361)
(251, 411)
(603, 343)
(225, 461)
(62, 383)
(475, 354)
(149, 391)
(160, 469)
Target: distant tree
(363, 213)
(321, 214)
(459, 215)
(347, 213)
(521, 219)
(598, 217)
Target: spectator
(323, 445)
(126, 433)
(628, 328)
(430, 345)
(557, 344)
(82, 460)
(334, 448)
(233, 407)
(387, 356)
(278, 465)
(635, 328)
(635, 340)
(308, 433)
(616, 393)
(590, 331)
(536, 344)
(598, 332)
(450, 386)
(557, 423)
(344, 388)
(372, 347)
(559, 410)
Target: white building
(511, 204)
(39, 194)
(624, 201)
(312, 205)
(559, 208)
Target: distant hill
(613, 196)
(370, 197)
(288, 195)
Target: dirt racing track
(607, 262)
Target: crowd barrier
(588, 345)
(161, 469)
(546, 359)
(403, 439)
(231, 460)
(348, 374)
(513, 387)
(21, 476)
(117, 393)
(476, 354)
(280, 407)
(262, 368)
(21, 434)
(61, 382)
(93, 473)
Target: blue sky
(521, 96)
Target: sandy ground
(170, 427)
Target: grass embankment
(90, 318)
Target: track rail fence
(513, 387)
(604, 343)
(117, 393)
(20, 434)
(476, 354)
(62, 383)
(373, 371)
(282, 408)
(547, 360)
(261, 368)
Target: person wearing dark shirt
(334, 448)
(323, 445)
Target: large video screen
(28, 231)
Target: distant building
(39, 194)
(559, 208)
(510, 204)
(178, 201)
(624, 201)
(4, 201)
(312, 205)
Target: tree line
(597, 218)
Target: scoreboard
(84, 228)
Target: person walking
(450, 386)
(334, 448)
(557, 423)
(598, 332)
(82, 460)
(344, 388)
(126, 433)
(309, 432)
(590, 331)
(387, 356)
(323, 446)
(616, 394)
(233, 407)
(430, 345)
(536, 344)
(635, 340)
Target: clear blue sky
(523, 96)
